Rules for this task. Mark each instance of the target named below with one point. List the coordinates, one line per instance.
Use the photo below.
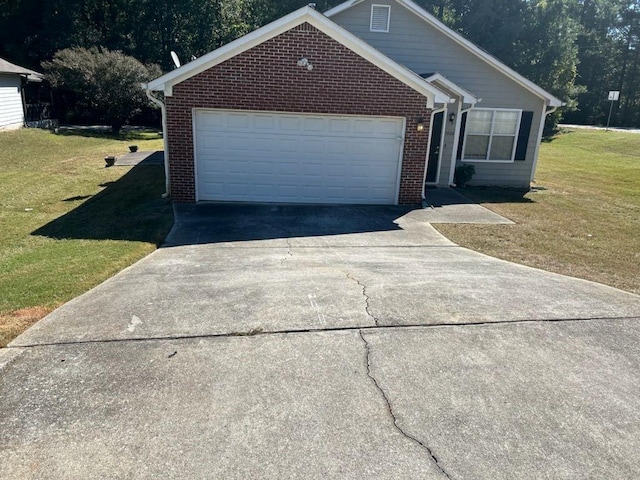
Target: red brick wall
(266, 77)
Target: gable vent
(380, 18)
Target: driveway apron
(314, 342)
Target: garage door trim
(194, 125)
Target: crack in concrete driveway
(394, 419)
(367, 305)
(245, 360)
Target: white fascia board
(342, 7)
(470, 46)
(465, 95)
(322, 23)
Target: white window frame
(492, 135)
(373, 7)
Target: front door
(434, 151)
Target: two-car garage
(299, 111)
(254, 156)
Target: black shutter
(523, 136)
(463, 126)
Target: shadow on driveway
(219, 222)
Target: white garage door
(297, 158)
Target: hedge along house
(309, 109)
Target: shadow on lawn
(131, 208)
(498, 195)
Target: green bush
(464, 173)
(104, 82)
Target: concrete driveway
(325, 342)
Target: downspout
(23, 83)
(456, 141)
(426, 163)
(163, 109)
(543, 118)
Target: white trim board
(465, 95)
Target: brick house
(304, 111)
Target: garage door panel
(388, 128)
(265, 123)
(338, 125)
(262, 169)
(288, 123)
(313, 145)
(314, 124)
(287, 144)
(364, 126)
(263, 144)
(211, 121)
(275, 157)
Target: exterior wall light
(420, 124)
(452, 117)
(305, 63)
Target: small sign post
(614, 96)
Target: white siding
(11, 113)
(415, 44)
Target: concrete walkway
(325, 342)
(133, 159)
(445, 205)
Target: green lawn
(67, 223)
(584, 218)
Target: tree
(104, 82)
(576, 49)
(535, 38)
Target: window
(380, 18)
(491, 135)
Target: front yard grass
(583, 217)
(67, 223)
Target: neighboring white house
(12, 80)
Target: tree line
(576, 49)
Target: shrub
(464, 173)
(107, 83)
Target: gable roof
(466, 44)
(309, 15)
(465, 95)
(8, 67)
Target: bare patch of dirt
(14, 323)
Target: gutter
(426, 163)
(163, 109)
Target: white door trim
(442, 137)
